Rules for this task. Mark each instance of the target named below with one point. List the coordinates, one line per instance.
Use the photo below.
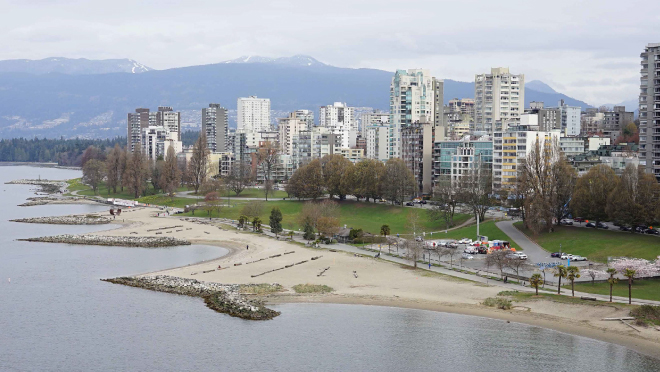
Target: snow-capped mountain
(297, 60)
(70, 66)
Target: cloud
(563, 43)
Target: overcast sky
(586, 49)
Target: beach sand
(378, 282)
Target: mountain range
(90, 99)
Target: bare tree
(213, 203)
(137, 173)
(113, 169)
(239, 177)
(171, 175)
(445, 197)
(516, 265)
(451, 252)
(199, 163)
(253, 209)
(499, 259)
(93, 173)
(267, 158)
(476, 189)
(413, 250)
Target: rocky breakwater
(223, 298)
(122, 241)
(89, 219)
(44, 200)
(46, 185)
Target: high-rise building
(412, 96)
(463, 106)
(649, 110)
(306, 116)
(289, 128)
(169, 119)
(137, 121)
(378, 142)
(417, 141)
(156, 140)
(570, 118)
(340, 119)
(253, 114)
(614, 121)
(499, 99)
(369, 119)
(510, 149)
(215, 126)
(455, 159)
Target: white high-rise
(340, 119)
(214, 125)
(253, 114)
(412, 96)
(289, 129)
(499, 99)
(369, 119)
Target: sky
(588, 50)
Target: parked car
(409, 204)
(578, 219)
(624, 228)
(419, 239)
(566, 222)
(652, 231)
(452, 245)
(482, 250)
(465, 241)
(467, 256)
(520, 255)
(555, 254)
(470, 251)
(565, 256)
(578, 258)
(640, 229)
(591, 224)
(424, 201)
(601, 225)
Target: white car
(467, 256)
(578, 258)
(520, 255)
(465, 241)
(470, 250)
(565, 256)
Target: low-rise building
(455, 159)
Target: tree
(535, 281)
(451, 252)
(267, 158)
(93, 173)
(312, 213)
(327, 226)
(170, 176)
(123, 164)
(308, 232)
(275, 221)
(591, 192)
(413, 223)
(156, 173)
(213, 202)
(611, 280)
(516, 265)
(369, 179)
(239, 177)
(445, 196)
(242, 221)
(593, 274)
(306, 181)
(560, 272)
(476, 189)
(92, 152)
(572, 273)
(113, 168)
(337, 175)
(385, 231)
(256, 224)
(399, 182)
(252, 209)
(634, 199)
(413, 250)
(199, 163)
(629, 135)
(499, 259)
(633, 268)
(137, 172)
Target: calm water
(57, 316)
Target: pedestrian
(247, 247)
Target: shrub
(646, 314)
(498, 302)
(312, 288)
(508, 293)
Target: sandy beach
(377, 283)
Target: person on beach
(247, 247)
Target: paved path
(534, 252)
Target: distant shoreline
(39, 165)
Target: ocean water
(56, 315)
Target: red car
(578, 219)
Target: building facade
(614, 121)
(340, 119)
(289, 128)
(455, 159)
(369, 119)
(253, 114)
(378, 142)
(499, 99)
(215, 126)
(417, 141)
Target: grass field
(595, 244)
(85, 190)
(487, 228)
(165, 200)
(258, 193)
(642, 289)
(367, 216)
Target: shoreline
(637, 344)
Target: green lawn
(76, 185)
(178, 202)
(367, 216)
(487, 228)
(597, 244)
(643, 289)
(258, 193)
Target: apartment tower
(499, 100)
(215, 126)
(649, 110)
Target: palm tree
(535, 281)
(630, 274)
(561, 272)
(573, 273)
(612, 280)
(385, 231)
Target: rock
(122, 241)
(67, 220)
(224, 298)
